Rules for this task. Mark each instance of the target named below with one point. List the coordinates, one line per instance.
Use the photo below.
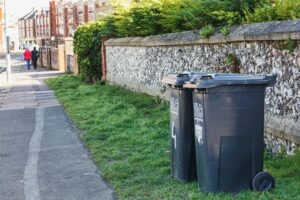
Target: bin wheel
(263, 182)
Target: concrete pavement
(41, 155)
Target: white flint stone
(298, 61)
(146, 66)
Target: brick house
(67, 15)
(27, 30)
(42, 27)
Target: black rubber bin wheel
(263, 182)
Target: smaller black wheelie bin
(229, 131)
(183, 160)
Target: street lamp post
(8, 64)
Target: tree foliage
(274, 10)
(150, 17)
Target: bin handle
(206, 77)
(203, 77)
(271, 79)
(183, 75)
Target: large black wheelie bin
(229, 131)
(183, 160)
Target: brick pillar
(103, 56)
(66, 22)
(86, 12)
(53, 19)
(75, 17)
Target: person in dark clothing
(34, 57)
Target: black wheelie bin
(229, 131)
(183, 159)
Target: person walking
(34, 57)
(27, 58)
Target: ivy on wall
(87, 46)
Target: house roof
(41, 11)
(29, 15)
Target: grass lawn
(128, 137)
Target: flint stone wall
(140, 64)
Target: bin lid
(210, 80)
(178, 80)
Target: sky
(19, 8)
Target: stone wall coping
(275, 30)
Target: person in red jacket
(27, 58)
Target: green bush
(288, 9)
(261, 14)
(269, 11)
(150, 17)
(87, 46)
(181, 15)
(207, 31)
(225, 30)
(139, 20)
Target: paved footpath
(41, 155)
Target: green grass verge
(128, 137)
